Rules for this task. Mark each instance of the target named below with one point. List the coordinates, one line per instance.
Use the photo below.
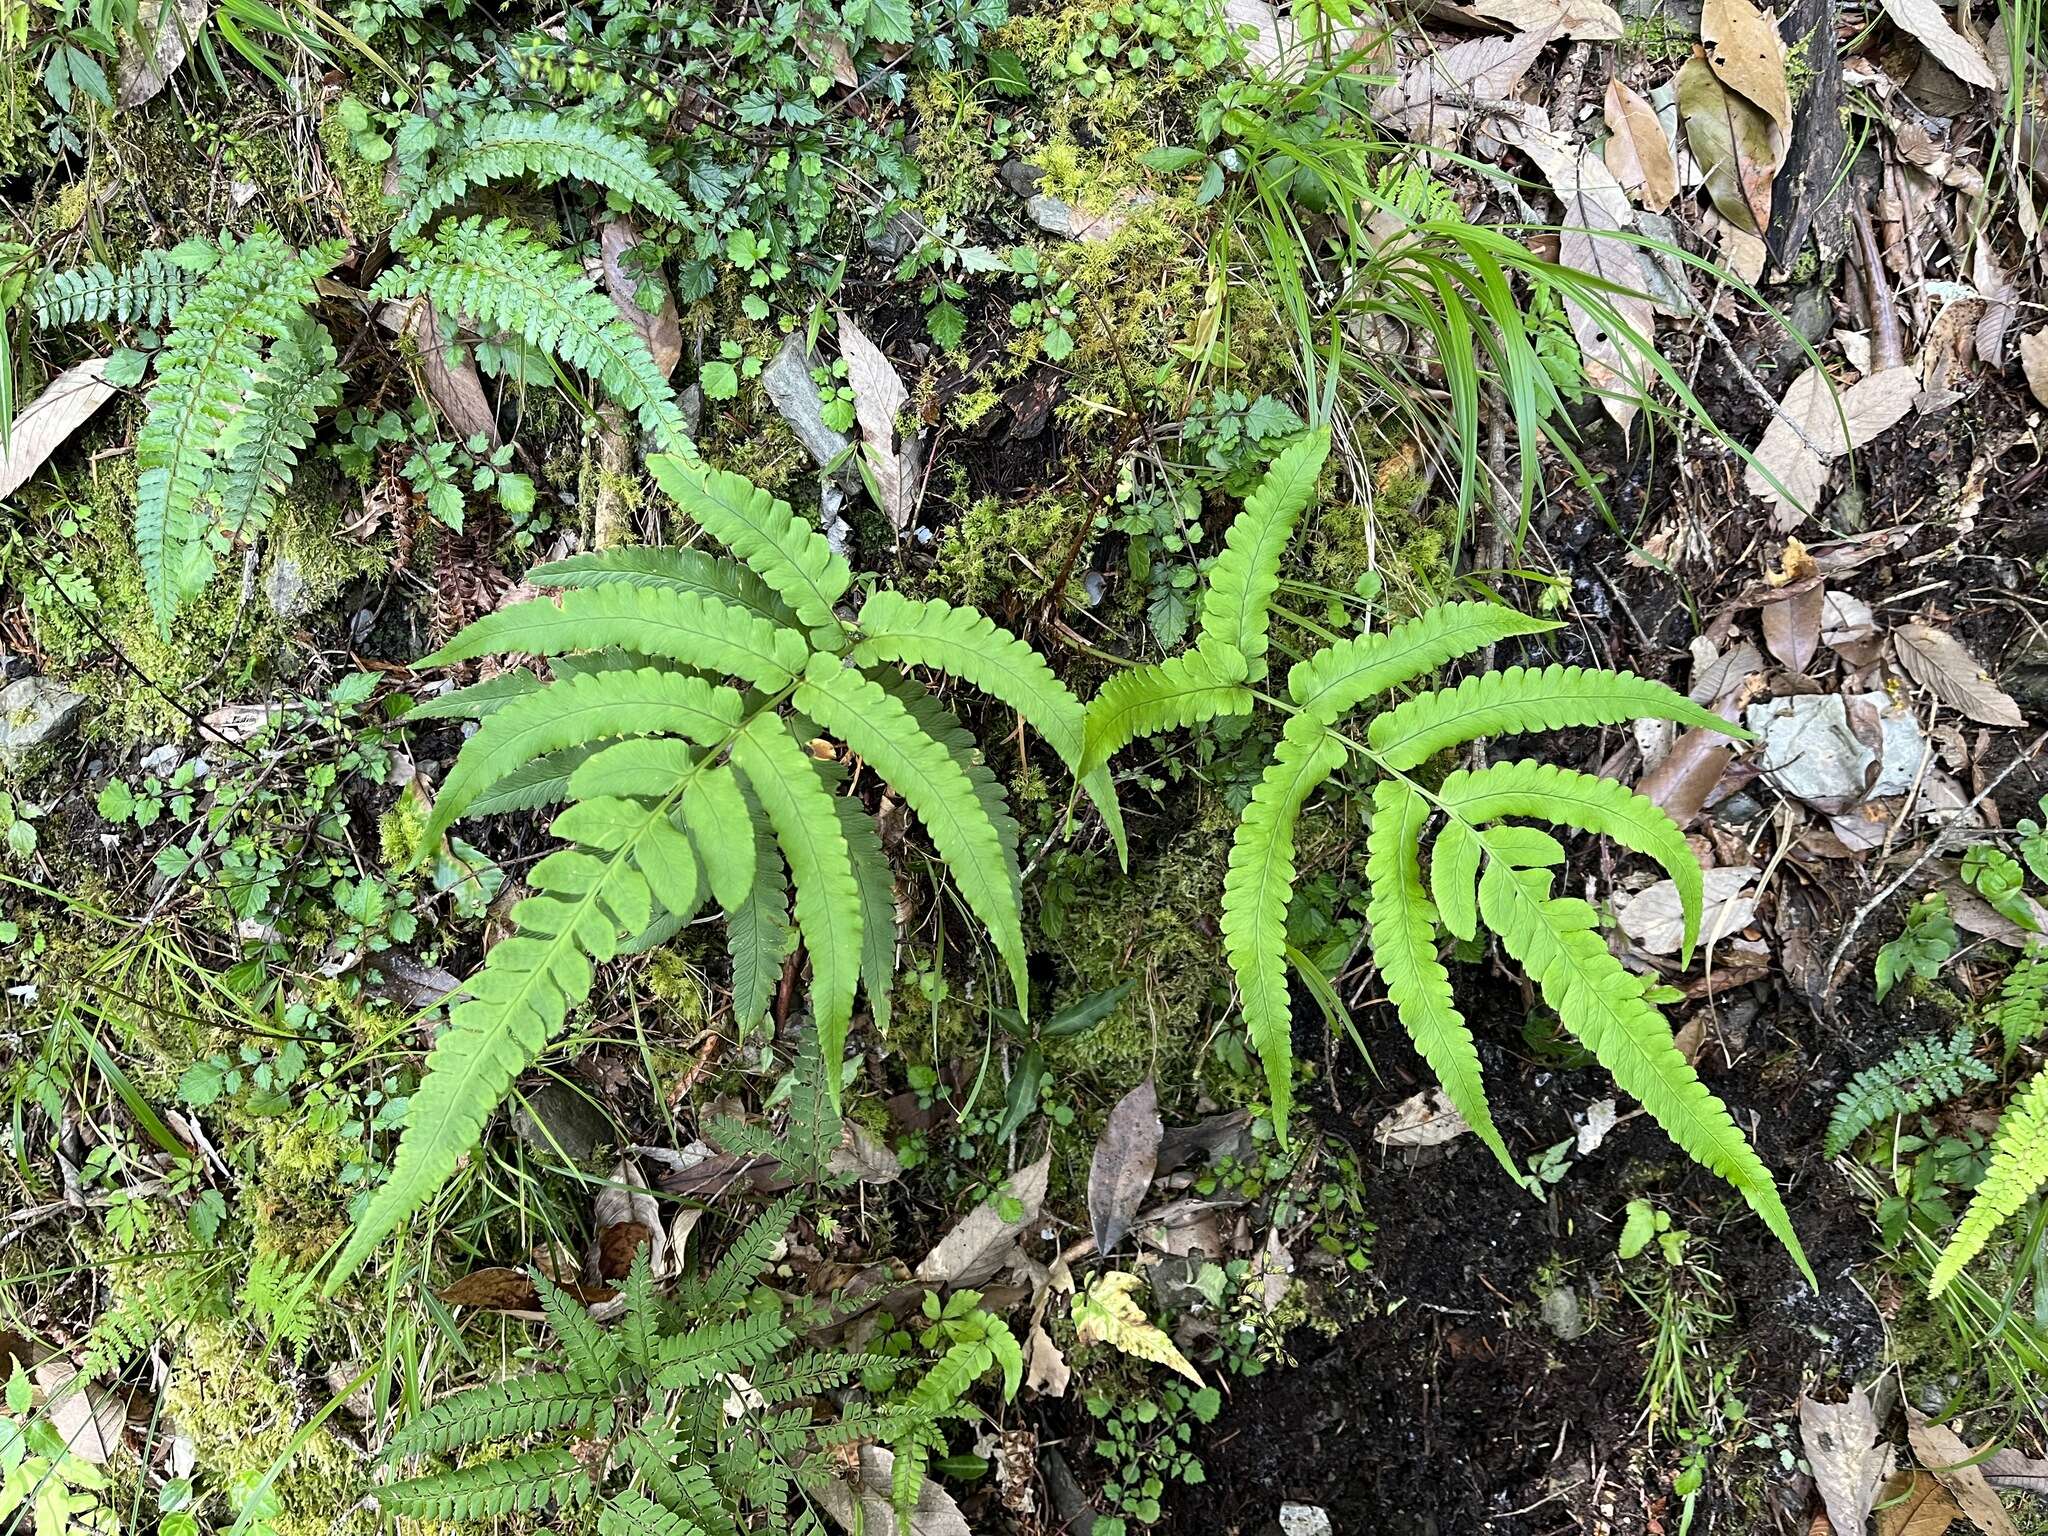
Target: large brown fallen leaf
(1636, 151)
(1748, 57)
(163, 35)
(60, 410)
(1654, 918)
(1916, 1505)
(2015, 1469)
(88, 1421)
(1849, 1466)
(1942, 1452)
(976, 1247)
(1425, 1119)
(1735, 143)
(2034, 362)
(447, 365)
(1434, 96)
(1120, 1174)
(1938, 662)
(1584, 21)
(1950, 49)
(870, 1513)
(878, 396)
(661, 328)
(1833, 426)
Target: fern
(664, 769)
(209, 365)
(1480, 870)
(1917, 1076)
(500, 279)
(547, 147)
(2022, 1006)
(2019, 1167)
(507, 1410)
(516, 1485)
(298, 381)
(148, 291)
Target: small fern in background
(686, 791)
(1479, 869)
(1917, 1076)
(148, 291)
(638, 1422)
(2022, 1006)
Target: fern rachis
(1480, 868)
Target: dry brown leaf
(1654, 918)
(146, 67)
(1596, 215)
(67, 404)
(1869, 406)
(1748, 56)
(661, 328)
(2034, 362)
(878, 395)
(88, 1421)
(934, 1514)
(824, 47)
(1735, 144)
(1916, 1505)
(1434, 96)
(1792, 627)
(1938, 662)
(448, 365)
(1942, 1452)
(975, 1248)
(1426, 1119)
(1585, 21)
(1948, 47)
(1849, 1466)
(1688, 774)
(1120, 1174)
(1636, 151)
(1045, 1369)
(2014, 1469)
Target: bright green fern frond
(967, 644)
(1244, 577)
(877, 726)
(786, 552)
(807, 829)
(515, 1485)
(1403, 936)
(717, 1349)
(632, 1513)
(877, 884)
(2022, 1006)
(547, 147)
(298, 381)
(2019, 1167)
(205, 372)
(574, 713)
(727, 1283)
(498, 278)
(504, 1410)
(944, 727)
(685, 570)
(1557, 941)
(758, 935)
(1255, 896)
(1917, 1076)
(1588, 802)
(698, 631)
(1338, 678)
(149, 291)
(639, 1332)
(593, 1353)
(1518, 700)
(1193, 686)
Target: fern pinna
(685, 688)
(637, 1422)
(1480, 868)
(1917, 1076)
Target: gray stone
(557, 1115)
(1563, 1313)
(898, 236)
(1019, 178)
(35, 712)
(285, 588)
(1810, 313)
(789, 384)
(1304, 1520)
(1808, 751)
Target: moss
(225, 1397)
(359, 185)
(296, 1199)
(999, 556)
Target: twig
(1934, 847)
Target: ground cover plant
(1022, 766)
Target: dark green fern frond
(209, 365)
(2022, 1006)
(715, 1349)
(743, 1263)
(496, 278)
(149, 291)
(503, 1410)
(298, 382)
(534, 1481)
(547, 147)
(1918, 1075)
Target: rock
(1808, 751)
(899, 235)
(557, 1115)
(789, 384)
(1809, 312)
(690, 404)
(2026, 678)
(1020, 179)
(1061, 218)
(286, 589)
(1304, 1520)
(35, 712)
(1563, 1313)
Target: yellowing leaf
(1637, 152)
(1748, 57)
(1735, 144)
(1107, 1314)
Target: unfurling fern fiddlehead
(1480, 868)
(689, 784)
